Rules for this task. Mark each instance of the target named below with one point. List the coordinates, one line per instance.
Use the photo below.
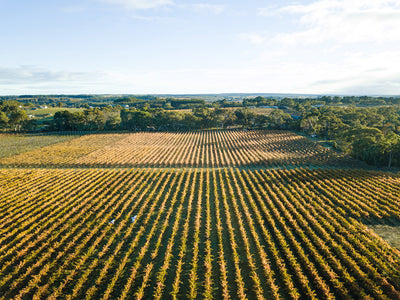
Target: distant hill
(235, 96)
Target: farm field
(60, 154)
(230, 148)
(12, 144)
(51, 110)
(225, 233)
(193, 215)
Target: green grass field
(51, 110)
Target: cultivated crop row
(213, 149)
(186, 149)
(215, 234)
(12, 144)
(67, 149)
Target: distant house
(31, 116)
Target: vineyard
(15, 144)
(190, 149)
(221, 225)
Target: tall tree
(389, 144)
(3, 120)
(17, 119)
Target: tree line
(12, 117)
(367, 133)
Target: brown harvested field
(216, 148)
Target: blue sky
(175, 46)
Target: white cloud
(358, 73)
(206, 7)
(273, 76)
(33, 74)
(342, 21)
(253, 38)
(36, 80)
(268, 11)
(362, 84)
(139, 4)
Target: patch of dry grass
(391, 234)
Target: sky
(199, 47)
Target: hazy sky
(215, 46)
